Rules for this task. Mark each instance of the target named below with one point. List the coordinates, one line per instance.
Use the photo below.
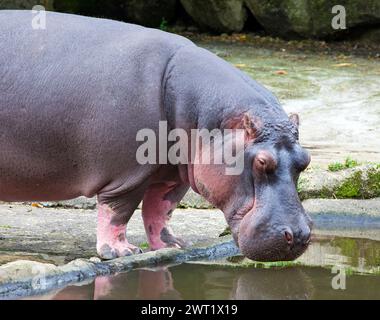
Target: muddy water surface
(355, 261)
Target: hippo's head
(261, 205)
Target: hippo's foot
(111, 240)
(109, 251)
(165, 239)
(171, 240)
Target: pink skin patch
(156, 215)
(111, 239)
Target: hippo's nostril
(288, 237)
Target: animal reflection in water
(203, 283)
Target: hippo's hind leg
(160, 199)
(113, 215)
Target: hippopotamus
(73, 97)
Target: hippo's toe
(171, 240)
(107, 252)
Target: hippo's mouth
(269, 253)
(262, 238)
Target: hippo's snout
(263, 240)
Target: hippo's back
(72, 97)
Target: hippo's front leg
(158, 204)
(111, 238)
(113, 215)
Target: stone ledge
(20, 278)
(361, 182)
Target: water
(310, 277)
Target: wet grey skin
(74, 96)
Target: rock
(25, 4)
(194, 200)
(151, 13)
(309, 18)
(77, 203)
(10, 256)
(344, 207)
(96, 8)
(34, 275)
(217, 15)
(362, 182)
(24, 269)
(370, 36)
(21, 278)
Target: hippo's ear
(247, 123)
(249, 127)
(295, 119)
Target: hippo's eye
(264, 162)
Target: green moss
(301, 186)
(325, 193)
(183, 205)
(164, 25)
(373, 183)
(277, 264)
(360, 185)
(144, 245)
(301, 183)
(336, 166)
(348, 163)
(242, 262)
(351, 187)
